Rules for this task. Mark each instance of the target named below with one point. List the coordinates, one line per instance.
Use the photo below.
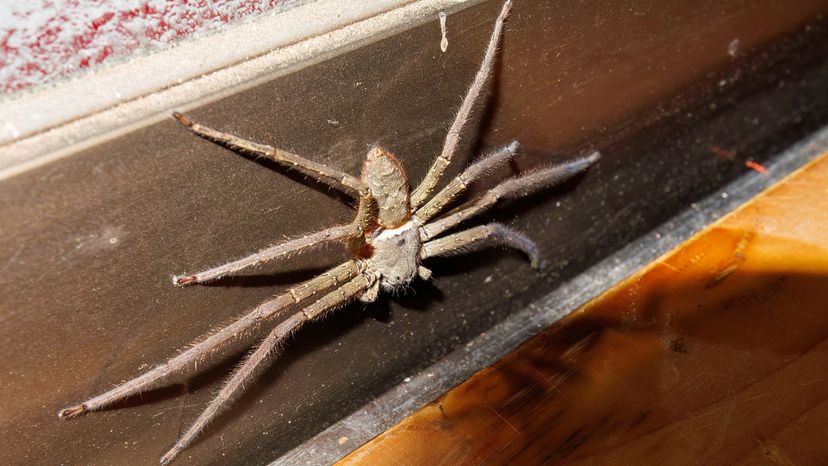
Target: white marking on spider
(394, 230)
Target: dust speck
(733, 48)
(106, 238)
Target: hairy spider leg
(457, 186)
(512, 188)
(353, 230)
(438, 167)
(479, 237)
(356, 278)
(231, 333)
(269, 349)
(323, 173)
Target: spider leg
(511, 188)
(481, 236)
(323, 173)
(354, 229)
(269, 349)
(270, 253)
(481, 167)
(219, 339)
(420, 195)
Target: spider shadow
(293, 175)
(314, 335)
(420, 297)
(519, 206)
(220, 368)
(308, 340)
(177, 389)
(482, 124)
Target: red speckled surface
(44, 40)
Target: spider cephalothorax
(393, 232)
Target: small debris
(756, 166)
(343, 440)
(444, 40)
(733, 48)
(722, 152)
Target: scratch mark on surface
(772, 451)
(11, 259)
(507, 422)
(728, 417)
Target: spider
(393, 231)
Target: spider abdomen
(395, 255)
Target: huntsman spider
(393, 232)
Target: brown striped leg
(423, 191)
(325, 174)
(512, 188)
(271, 253)
(457, 186)
(267, 351)
(480, 237)
(233, 332)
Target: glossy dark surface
(88, 244)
